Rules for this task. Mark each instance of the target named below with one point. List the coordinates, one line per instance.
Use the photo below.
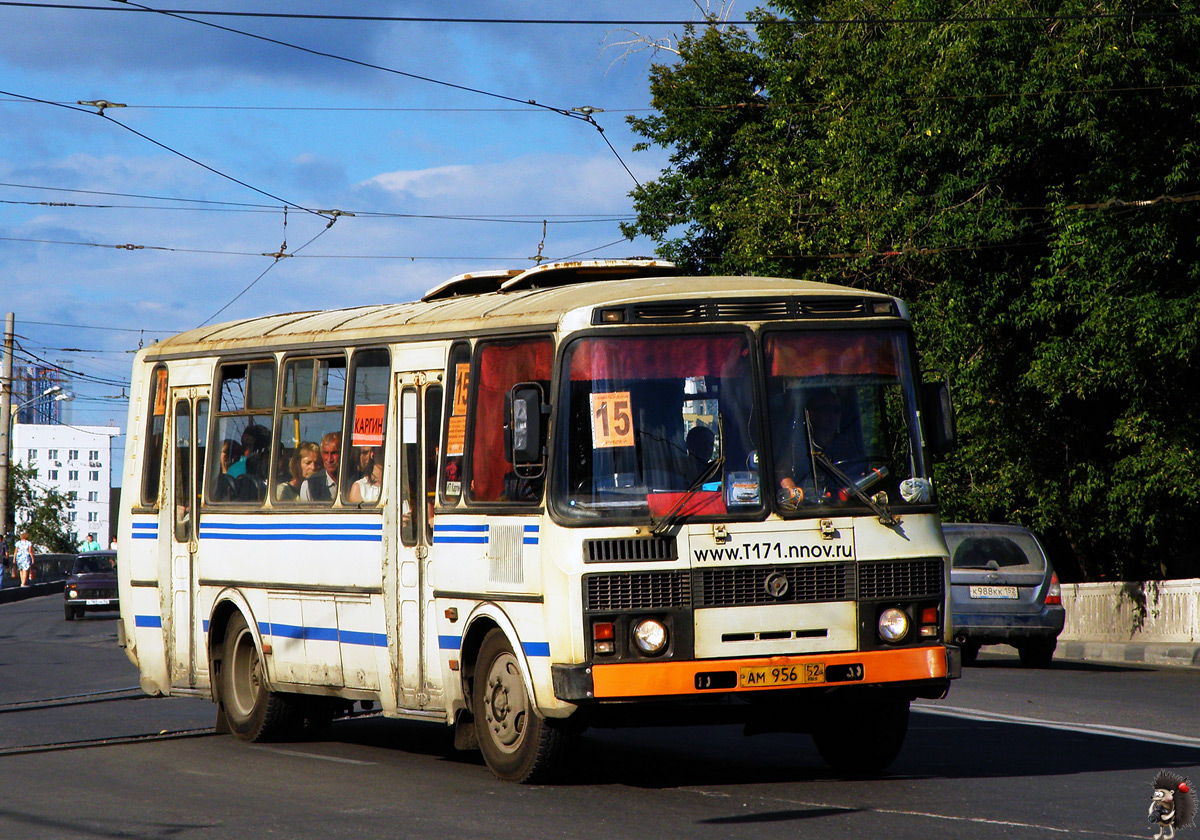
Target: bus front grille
(625, 549)
(738, 586)
(901, 579)
(636, 591)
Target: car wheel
(68, 612)
(863, 736)
(1037, 653)
(253, 712)
(970, 652)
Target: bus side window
(241, 437)
(156, 418)
(362, 477)
(410, 464)
(433, 423)
(310, 430)
(454, 442)
(501, 365)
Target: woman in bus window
(368, 489)
(303, 464)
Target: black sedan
(92, 584)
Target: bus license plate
(771, 675)
(994, 592)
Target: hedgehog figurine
(1173, 805)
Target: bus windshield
(647, 420)
(843, 420)
(665, 426)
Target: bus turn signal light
(602, 637)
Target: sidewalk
(1130, 653)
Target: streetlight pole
(5, 435)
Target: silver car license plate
(994, 592)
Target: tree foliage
(40, 511)
(1026, 174)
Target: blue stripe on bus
(292, 536)
(148, 525)
(148, 535)
(323, 634)
(366, 532)
(281, 526)
(530, 648)
(147, 621)
(477, 534)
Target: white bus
(585, 494)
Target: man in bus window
(321, 486)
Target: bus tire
(253, 712)
(517, 744)
(862, 737)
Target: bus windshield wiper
(675, 514)
(855, 487)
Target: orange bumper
(665, 679)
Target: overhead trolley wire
(130, 7)
(165, 147)
(583, 114)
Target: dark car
(1003, 591)
(92, 584)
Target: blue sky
(308, 130)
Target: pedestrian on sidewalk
(92, 543)
(24, 557)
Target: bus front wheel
(254, 713)
(517, 744)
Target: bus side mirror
(940, 433)
(525, 411)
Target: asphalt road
(1011, 753)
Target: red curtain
(657, 357)
(833, 353)
(500, 367)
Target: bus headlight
(650, 636)
(893, 624)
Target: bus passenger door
(419, 423)
(189, 425)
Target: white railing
(1152, 612)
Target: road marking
(858, 809)
(314, 755)
(1151, 735)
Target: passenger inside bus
(368, 488)
(301, 466)
(231, 453)
(700, 445)
(250, 471)
(321, 486)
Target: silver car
(1003, 591)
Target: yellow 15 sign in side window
(612, 420)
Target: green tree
(1026, 174)
(39, 511)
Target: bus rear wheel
(517, 744)
(861, 737)
(253, 712)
